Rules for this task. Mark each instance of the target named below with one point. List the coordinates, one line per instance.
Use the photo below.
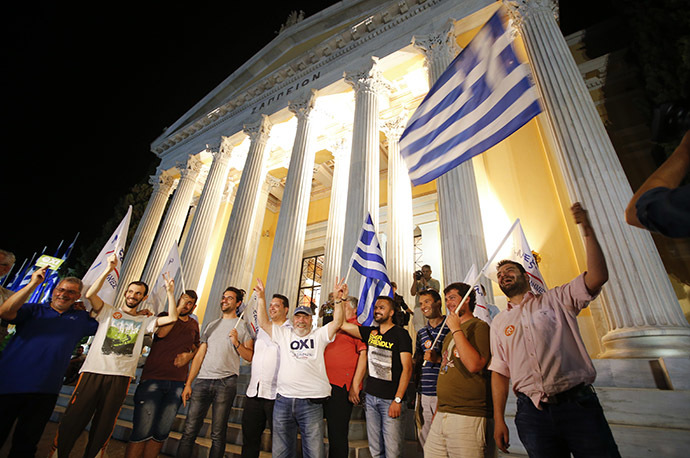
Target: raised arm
(262, 314)
(597, 272)
(244, 349)
(92, 293)
(172, 305)
(499, 393)
(193, 372)
(9, 308)
(341, 292)
(669, 175)
(470, 357)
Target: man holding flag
(536, 343)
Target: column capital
(395, 127)
(213, 147)
(519, 10)
(369, 78)
(339, 147)
(191, 168)
(303, 107)
(225, 149)
(229, 191)
(161, 183)
(271, 182)
(438, 45)
(259, 130)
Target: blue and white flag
(483, 96)
(25, 277)
(115, 244)
(172, 267)
(52, 277)
(368, 261)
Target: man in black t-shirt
(390, 367)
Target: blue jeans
(385, 433)
(291, 414)
(155, 407)
(576, 426)
(206, 392)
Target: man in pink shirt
(536, 343)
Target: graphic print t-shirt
(385, 366)
(117, 345)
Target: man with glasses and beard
(110, 364)
(303, 385)
(536, 342)
(36, 358)
(159, 393)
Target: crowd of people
(461, 366)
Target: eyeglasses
(72, 292)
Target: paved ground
(116, 448)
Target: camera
(418, 275)
(670, 120)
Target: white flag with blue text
(483, 96)
(172, 267)
(115, 244)
(481, 309)
(517, 249)
(368, 261)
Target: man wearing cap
(303, 385)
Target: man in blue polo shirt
(35, 360)
(430, 305)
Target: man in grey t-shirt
(215, 368)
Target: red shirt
(182, 338)
(341, 357)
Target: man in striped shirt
(425, 350)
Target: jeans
(576, 426)
(337, 411)
(31, 412)
(256, 413)
(385, 433)
(206, 392)
(291, 414)
(155, 407)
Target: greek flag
(483, 96)
(368, 261)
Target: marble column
(335, 229)
(140, 246)
(288, 245)
(233, 256)
(197, 243)
(270, 182)
(642, 312)
(363, 188)
(171, 228)
(460, 218)
(400, 247)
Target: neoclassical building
(271, 174)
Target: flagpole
(475, 281)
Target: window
(310, 281)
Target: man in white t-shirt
(303, 385)
(110, 364)
(215, 367)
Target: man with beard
(215, 368)
(159, 393)
(110, 364)
(303, 385)
(536, 343)
(389, 355)
(430, 305)
(462, 425)
(261, 391)
(35, 359)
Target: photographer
(422, 282)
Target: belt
(571, 394)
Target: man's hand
(581, 218)
(431, 356)
(112, 262)
(340, 288)
(453, 321)
(394, 410)
(234, 338)
(169, 282)
(182, 359)
(501, 435)
(186, 394)
(260, 289)
(38, 276)
(145, 312)
(353, 395)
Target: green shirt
(459, 391)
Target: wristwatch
(397, 400)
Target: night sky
(88, 86)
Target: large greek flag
(368, 261)
(484, 96)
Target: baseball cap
(303, 309)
